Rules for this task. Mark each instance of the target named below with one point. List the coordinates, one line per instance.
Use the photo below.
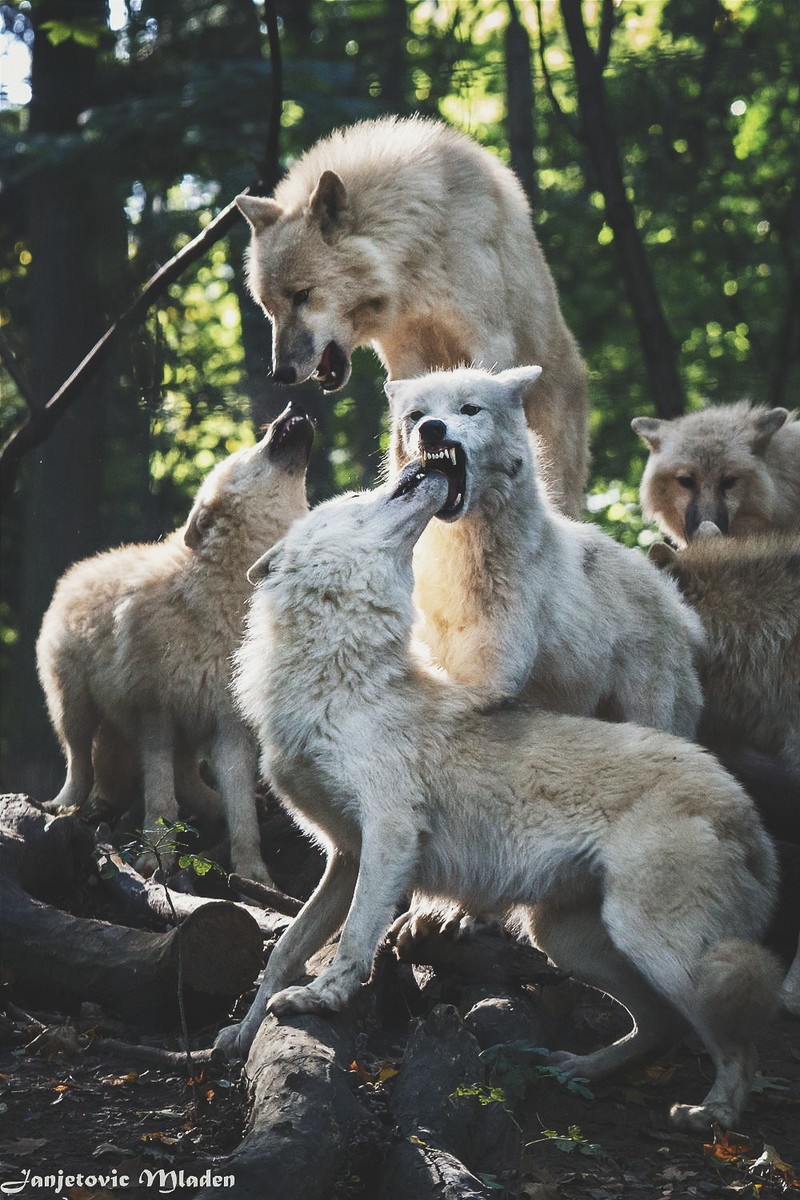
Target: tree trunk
(520, 101)
(78, 258)
(655, 335)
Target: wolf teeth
(435, 455)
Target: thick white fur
(633, 857)
(414, 239)
(136, 646)
(740, 467)
(516, 597)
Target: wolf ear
(393, 388)
(268, 561)
(519, 379)
(327, 203)
(662, 556)
(649, 430)
(259, 212)
(199, 525)
(764, 426)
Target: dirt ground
(67, 1109)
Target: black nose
(432, 432)
(284, 375)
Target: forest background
(657, 140)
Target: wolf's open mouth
(410, 478)
(332, 368)
(292, 431)
(449, 458)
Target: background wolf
(408, 236)
(641, 866)
(136, 644)
(734, 465)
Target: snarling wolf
(407, 236)
(733, 465)
(515, 596)
(634, 860)
(135, 647)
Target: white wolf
(408, 236)
(636, 861)
(137, 642)
(516, 597)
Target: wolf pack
(475, 702)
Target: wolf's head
(468, 423)
(252, 497)
(323, 286)
(709, 466)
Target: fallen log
(142, 896)
(482, 957)
(61, 959)
(303, 1111)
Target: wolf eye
(469, 410)
(300, 297)
(686, 481)
(414, 416)
(728, 482)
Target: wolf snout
(432, 432)
(285, 374)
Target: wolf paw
(570, 1066)
(699, 1118)
(234, 1041)
(307, 998)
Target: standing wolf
(635, 860)
(516, 597)
(735, 465)
(135, 647)
(408, 236)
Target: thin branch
(11, 363)
(572, 129)
(42, 419)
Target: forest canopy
(127, 125)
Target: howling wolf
(135, 647)
(408, 236)
(635, 861)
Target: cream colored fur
(515, 597)
(135, 647)
(413, 239)
(632, 856)
(734, 465)
(747, 593)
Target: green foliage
(168, 840)
(569, 1142)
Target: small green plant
(569, 1142)
(513, 1065)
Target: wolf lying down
(631, 857)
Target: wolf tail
(738, 983)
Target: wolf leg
(576, 940)
(78, 723)
(723, 988)
(234, 759)
(156, 746)
(194, 794)
(320, 917)
(388, 857)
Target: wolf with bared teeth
(407, 236)
(516, 597)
